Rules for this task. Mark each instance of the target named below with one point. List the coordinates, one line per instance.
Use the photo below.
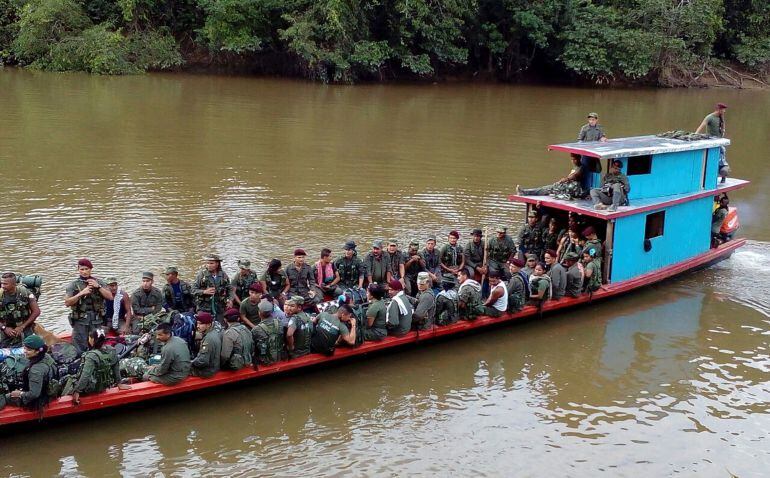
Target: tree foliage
(353, 40)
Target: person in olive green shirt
(299, 330)
(145, 300)
(237, 343)
(614, 190)
(398, 315)
(242, 281)
(39, 371)
(249, 308)
(714, 125)
(376, 329)
(174, 363)
(207, 362)
(331, 330)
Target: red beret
(232, 311)
(722, 106)
(299, 252)
(588, 231)
(257, 287)
(395, 284)
(517, 262)
(551, 252)
(85, 263)
(455, 234)
(204, 318)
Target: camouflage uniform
(498, 253)
(145, 303)
(531, 240)
(301, 283)
(213, 304)
(241, 283)
(185, 302)
(377, 267)
(87, 314)
(14, 311)
(424, 311)
(474, 256)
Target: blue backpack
(183, 326)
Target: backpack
(269, 348)
(183, 326)
(67, 359)
(10, 373)
(359, 313)
(149, 321)
(357, 294)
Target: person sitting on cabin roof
(714, 125)
(574, 285)
(567, 188)
(614, 190)
(592, 242)
(557, 273)
(497, 302)
(592, 271)
(530, 239)
(518, 285)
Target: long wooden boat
(621, 273)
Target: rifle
(141, 341)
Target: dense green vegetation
(652, 41)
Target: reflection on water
(144, 172)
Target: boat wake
(743, 277)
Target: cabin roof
(636, 146)
(584, 206)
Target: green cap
(377, 244)
(148, 275)
(392, 242)
(34, 342)
(423, 277)
(571, 256)
(414, 242)
(296, 300)
(532, 213)
(593, 115)
(432, 237)
(501, 229)
(244, 264)
(265, 306)
(212, 257)
(172, 270)
(111, 280)
(447, 278)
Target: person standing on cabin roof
(614, 190)
(530, 240)
(242, 280)
(146, 299)
(177, 294)
(85, 297)
(18, 311)
(474, 255)
(117, 320)
(591, 131)
(714, 125)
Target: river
(139, 173)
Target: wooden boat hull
(150, 391)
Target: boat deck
(584, 206)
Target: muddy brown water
(149, 171)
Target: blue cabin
(668, 220)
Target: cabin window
(639, 165)
(654, 225)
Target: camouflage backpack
(66, 357)
(10, 373)
(269, 348)
(134, 367)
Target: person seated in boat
(18, 311)
(567, 188)
(99, 369)
(249, 309)
(518, 285)
(349, 269)
(474, 255)
(497, 302)
(325, 274)
(614, 189)
(40, 370)
(117, 319)
(299, 329)
(274, 280)
(500, 248)
(334, 329)
(569, 243)
(146, 300)
(574, 285)
(529, 264)
(469, 296)
(398, 315)
(592, 271)
(207, 362)
(376, 265)
(424, 304)
(551, 235)
(451, 255)
(592, 241)
(268, 335)
(530, 238)
(557, 273)
(447, 310)
(717, 219)
(539, 285)
(395, 260)
(174, 365)
(237, 344)
(376, 328)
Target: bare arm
(702, 127)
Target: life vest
(303, 332)
(731, 222)
(94, 302)
(14, 309)
(349, 270)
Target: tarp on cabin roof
(636, 146)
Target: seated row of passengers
(272, 310)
